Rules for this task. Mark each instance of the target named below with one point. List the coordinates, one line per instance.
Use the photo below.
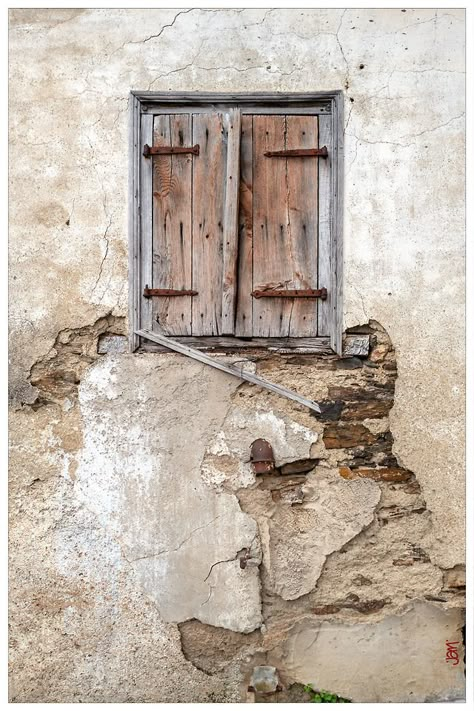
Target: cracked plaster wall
(108, 543)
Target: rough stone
(380, 474)
(212, 649)
(301, 538)
(345, 436)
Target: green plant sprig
(319, 696)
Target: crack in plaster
(174, 550)
(407, 135)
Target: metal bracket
(299, 153)
(150, 151)
(168, 292)
(292, 293)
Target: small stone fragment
(326, 610)
(455, 577)
(341, 436)
(264, 679)
(379, 352)
(301, 466)
(381, 474)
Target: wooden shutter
(285, 225)
(195, 230)
(230, 221)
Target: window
(235, 220)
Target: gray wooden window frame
(318, 103)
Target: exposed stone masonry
(357, 576)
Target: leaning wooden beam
(231, 215)
(249, 377)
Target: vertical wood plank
(302, 220)
(172, 236)
(231, 214)
(146, 220)
(209, 171)
(325, 308)
(337, 239)
(134, 296)
(285, 225)
(271, 263)
(243, 323)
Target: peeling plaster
(90, 479)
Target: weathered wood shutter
(231, 225)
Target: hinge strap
(150, 151)
(292, 293)
(299, 153)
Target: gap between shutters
(249, 377)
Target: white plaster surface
(145, 429)
(402, 657)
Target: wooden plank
(209, 170)
(285, 225)
(231, 215)
(146, 223)
(271, 260)
(243, 375)
(325, 309)
(318, 346)
(243, 322)
(172, 231)
(246, 109)
(244, 98)
(302, 218)
(337, 242)
(134, 294)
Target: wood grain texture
(325, 308)
(318, 346)
(134, 290)
(243, 323)
(302, 212)
(146, 223)
(172, 229)
(230, 240)
(285, 224)
(337, 256)
(209, 171)
(323, 104)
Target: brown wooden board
(209, 175)
(230, 241)
(243, 322)
(172, 235)
(285, 225)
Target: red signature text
(452, 654)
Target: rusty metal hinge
(292, 293)
(150, 151)
(299, 153)
(168, 292)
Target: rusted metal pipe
(262, 457)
